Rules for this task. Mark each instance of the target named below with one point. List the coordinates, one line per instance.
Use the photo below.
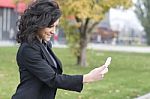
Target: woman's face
(46, 33)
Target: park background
(89, 32)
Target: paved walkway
(119, 48)
(147, 96)
(6, 43)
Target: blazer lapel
(55, 57)
(47, 57)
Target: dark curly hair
(40, 14)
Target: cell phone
(108, 61)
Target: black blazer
(39, 78)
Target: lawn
(128, 75)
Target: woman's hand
(95, 75)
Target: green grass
(128, 75)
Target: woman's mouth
(50, 34)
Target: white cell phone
(108, 61)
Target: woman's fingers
(96, 74)
(102, 68)
(105, 71)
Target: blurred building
(130, 30)
(9, 14)
(8, 19)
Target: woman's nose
(54, 30)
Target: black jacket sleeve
(38, 66)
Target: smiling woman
(37, 17)
(40, 69)
(46, 33)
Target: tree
(79, 19)
(143, 12)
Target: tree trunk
(81, 59)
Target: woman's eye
(51, 26)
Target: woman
(40, 70)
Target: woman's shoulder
(28, 50)
(34, 46)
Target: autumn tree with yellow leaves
(79, 17)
